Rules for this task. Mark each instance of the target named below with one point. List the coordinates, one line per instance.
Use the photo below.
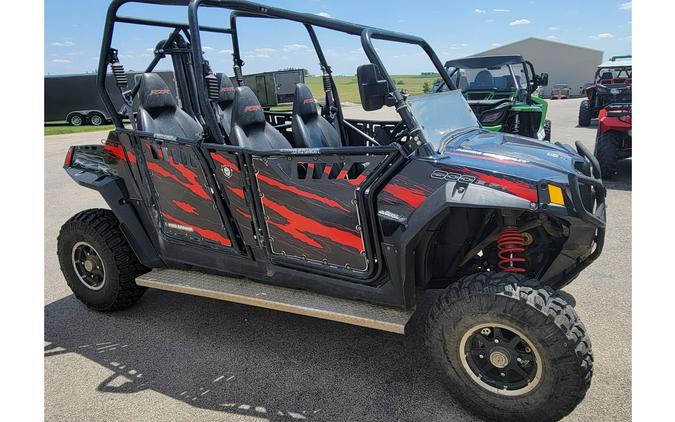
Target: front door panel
(310, 209)
(185, 201)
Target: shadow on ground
(623, 179)
(256, 362)
(592, 126)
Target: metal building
(564, 63)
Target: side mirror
(372, 89)
(543, 79)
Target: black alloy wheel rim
(88, 266)
(501, 359)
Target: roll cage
(617, 72)
(196, 101)
(494, 61)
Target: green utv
(500, 91)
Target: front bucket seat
(310, 129)
(249, 127)
(159, 112)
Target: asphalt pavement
(174, 357)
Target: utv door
(310, 211)
(186, 209)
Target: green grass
(62, 128)
(348, 89)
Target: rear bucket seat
(159, 112)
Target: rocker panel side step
(278, 298)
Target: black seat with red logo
(249, 127)
(159, 113)
(225, 101)
(310, 129)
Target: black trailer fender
(424, 220)
(115, 194)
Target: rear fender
(114, 191)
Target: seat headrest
(484, 78)
(247, 110)
(225, 90)
(304, 103)
(154, 93)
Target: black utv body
(362, 215)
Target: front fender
(454, 194)
(428, 215)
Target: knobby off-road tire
(549, 328)
(97, 262)
(606, 151)
(585, 113)
(547, 130)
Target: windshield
(609, 73)
(441, 114)
(498, 78)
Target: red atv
(614, 140)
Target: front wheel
(97, 262)
(547, 130)
(509, 348)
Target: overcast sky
(73, 30)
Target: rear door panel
(183, 196)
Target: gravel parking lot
(175, 357)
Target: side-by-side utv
(613, 85)
(347, 220)
(499, 90)
(614, 138)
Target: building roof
(539, 40)
(620, 61)
(484, 61)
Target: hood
(518, 156)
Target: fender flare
(115, 194)
(451, 195)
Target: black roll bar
(151, 22)
(243, 7)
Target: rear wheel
(509, 348)
(606, 151)
(96, 119)
(97, 262)
(547, 130)
(585, 113)
(76, 119)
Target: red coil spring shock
(511, 244)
